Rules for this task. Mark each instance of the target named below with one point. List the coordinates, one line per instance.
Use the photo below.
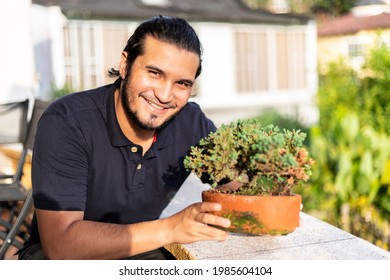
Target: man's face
(159, 83)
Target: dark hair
(171, 30)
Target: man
(107, 161)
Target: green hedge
(351, 143)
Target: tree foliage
(374, 89)
(351, 144)
(329, 7)
(366, 91)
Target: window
(270, 59)
(91, 48)
(355, 50)
(291, 59)
(251, 61)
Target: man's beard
(132, 114)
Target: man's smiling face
(159, 83)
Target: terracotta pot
(258, 215)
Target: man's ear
(123, 65)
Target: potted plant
(264, 163)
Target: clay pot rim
(213, 191)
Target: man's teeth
(155, 105)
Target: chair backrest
(38, 109)
(13, 122)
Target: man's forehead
(167, 56)
(153, 41)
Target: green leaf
(366, 165)
(385, 179)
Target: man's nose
(164, 93)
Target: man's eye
(185, 84)
(154, 73)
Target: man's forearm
(65, 235)
(95, 240)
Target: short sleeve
(59, 165)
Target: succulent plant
(263, 159)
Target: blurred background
(322, 66)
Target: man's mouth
(154, 105)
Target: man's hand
(196, 223)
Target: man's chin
(152, 122)
(151, 125)
(157, 123)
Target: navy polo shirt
(82, 161)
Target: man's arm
(65, 235)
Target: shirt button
(134, 149)
(139, 166)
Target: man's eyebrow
(151, 67)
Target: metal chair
(13, 130)
(14, 196)
(13, 124)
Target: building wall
(17, 73)
(348, 47)
(47, 35)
